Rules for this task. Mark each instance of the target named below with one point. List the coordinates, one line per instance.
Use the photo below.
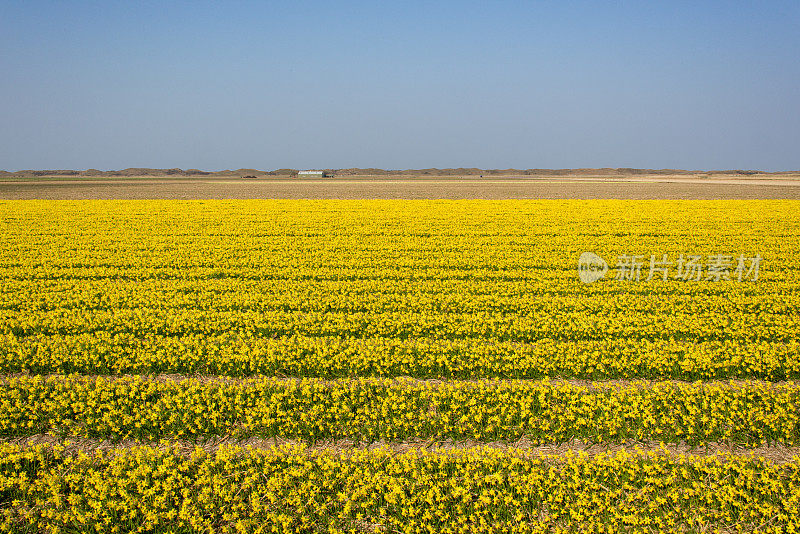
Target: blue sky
(492, 84)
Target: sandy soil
(450, 187)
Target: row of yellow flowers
(290, 489)
(746, 312)
(385, 288)
(748, 413)
(249, 354)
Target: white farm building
(314, 174)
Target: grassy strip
(476, 490)
(746, 413)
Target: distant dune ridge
(606, 171)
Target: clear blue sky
(492, 84)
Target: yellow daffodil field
(470, 366)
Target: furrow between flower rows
(776, 453)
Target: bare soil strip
(438, 188)
(778, 454)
